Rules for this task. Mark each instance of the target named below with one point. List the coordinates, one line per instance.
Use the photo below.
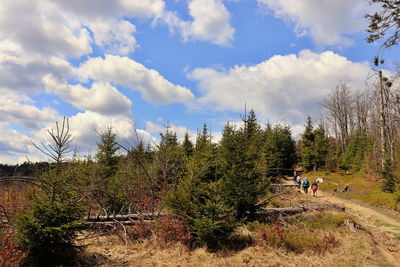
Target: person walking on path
(298, 180)
(314, 188)
(306, 185)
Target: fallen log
(125, 217)
(272, 214)
(285, 185)
(316, 206)
(265, 215)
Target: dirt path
(384, 230)
(368, 214)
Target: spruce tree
(307, 146)
(203, 207)
(321, 144)
(240, 154)
(390, 180)
(199, 198)
(50, 225)
(354, 154)
(107, 157)
(111, 197)
(169, 160)
(280, 150)
(204, 158)
(187, 145)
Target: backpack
(314, 187)
(306, 183)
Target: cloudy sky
(143, 64)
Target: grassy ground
(111, 252)
(363, 188)
(312, 239)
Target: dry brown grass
(354, 249)
(13, 199)
(351, 248)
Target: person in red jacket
(314, 188)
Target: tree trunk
(382, 120)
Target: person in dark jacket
(306, 185)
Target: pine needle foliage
(240, 155)
(106, 155)
(49, 228)
(390, 180)
(280, 150)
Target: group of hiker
(305, 184)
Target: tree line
(212, 187)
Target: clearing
(371, 238)
(382, 224)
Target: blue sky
(145, 64)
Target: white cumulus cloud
(21, 110)
(210, 22)
(326, 21)
(180, 131)
(115, 37)
(86, 125)
(22, 72)
(40, 27)
(129, 73)
(282, 88)
(102, 98)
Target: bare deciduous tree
(340, 111)
(62, 139)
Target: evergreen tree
(240, 154)
(204, 159)
(354, 154)
(321, 144)
(107, 157)
(169, 160)
(187, 145)
(252, 128)
(307, 146)
(198, 197)
(390, 180)
(203, 139)
(206, 214)
(212, 221)
(48, 229)
(280, 150)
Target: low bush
(204, 212)
(48, 231)
(139, 231)
(171, 229)
(11, 254)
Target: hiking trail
(384, 226)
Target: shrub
(204, 212)
(10, 253)
(172, 229)
(328, 242)
(140, 230)
(48, 230)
